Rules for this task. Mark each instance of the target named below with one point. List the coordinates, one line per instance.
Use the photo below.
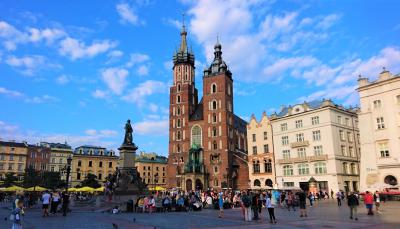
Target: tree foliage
(90, 181)
(9, 179)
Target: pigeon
(115, 226)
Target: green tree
(32, 178)
(52, 180)
(90, 181)
(9, 179)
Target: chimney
(362, 81)
(384, 75)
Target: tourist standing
(369, 202)
(65, 202)
(270, 208)
(377, 200)
(254, 205)
(246, 204)
(352, 202)
(55, 200)
(221, 204)
(290, 201)
(331, 194)
(45, 203)
(311, 198)
(339, 198)
(302, 204)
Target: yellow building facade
(152, 169)
(59, 152)
(92, 159)
(261, 155)
(13, 156)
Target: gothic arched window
(213, 88)
(178, 123)
(178, 99)
(214, 105)
(179, 87)
(215, 145)
(196, 135)
(178, 111)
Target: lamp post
(66, 197)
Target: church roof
(198, 112)
(239, 124)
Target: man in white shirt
(45, 203)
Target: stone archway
(189, 185)
(269, 183)
(391, 180)
(199, 185)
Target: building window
(254, 150)
(254, 137)
(350, 136)
(315, 120)
(11, 157)
(268, 166)
(178, 123)
(100, 164)
(285, 140)
(215, 133)
(214, 118)
(286, 154)
(256, 166)
(213, 88)
(347, 121)
(351, 151)
(196, 135)
(1, 166)
(344, 168)
(341, 134)
(215, 145)
(380, 123)
(90, 163)
(316, 135)
(178, 111)
(384, 149)
(215, 182)
(377, 104)
(301, 152)
(100, 176)
(266, 149)
(178, 135)
(265, 135)
(178, 99)
(257, 183)
(214, 105)
(20, 158)
(303, 169)
(60, 160)
(78, 176)
(343, 150)
(300, 137)
(284, 127)
(320, 168)
(144, 167)
(288, 170)
(353, 168)
(299, 123)
(79, 163)
(178, 148)
(318, 150)
(339, 119)
(10, 166)
(110, 164)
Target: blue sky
(75, 72)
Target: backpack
(246, 201)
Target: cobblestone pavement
(324, 215)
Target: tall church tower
(183, 101)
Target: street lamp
(66, 199)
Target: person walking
(290, 201)
(339, 198)
(331, 194)
(55, 200)
(352, 202)
(45, 203)
(302, 204)
(377, 200)
(369, 202)
(311, 198)
(254, 205)
(246, 204)
(270, 208)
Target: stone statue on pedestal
(128, 133)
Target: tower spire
(183, 47)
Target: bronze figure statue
(128, 133)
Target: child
(17, 215)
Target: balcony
(299, 144)
(303, 159)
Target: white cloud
(29, 65)
(114, 55)
(153, 107)
(128, 14)
(137, 58)
(62, 79)
(10, 93)
(115, 78)
(11, 36)
(147, 88)
(151, 127)
(90, 132)
(7, 128)
(99, 94)
(76, 49)
(143, 70)
(327, 21)
(42, 99)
